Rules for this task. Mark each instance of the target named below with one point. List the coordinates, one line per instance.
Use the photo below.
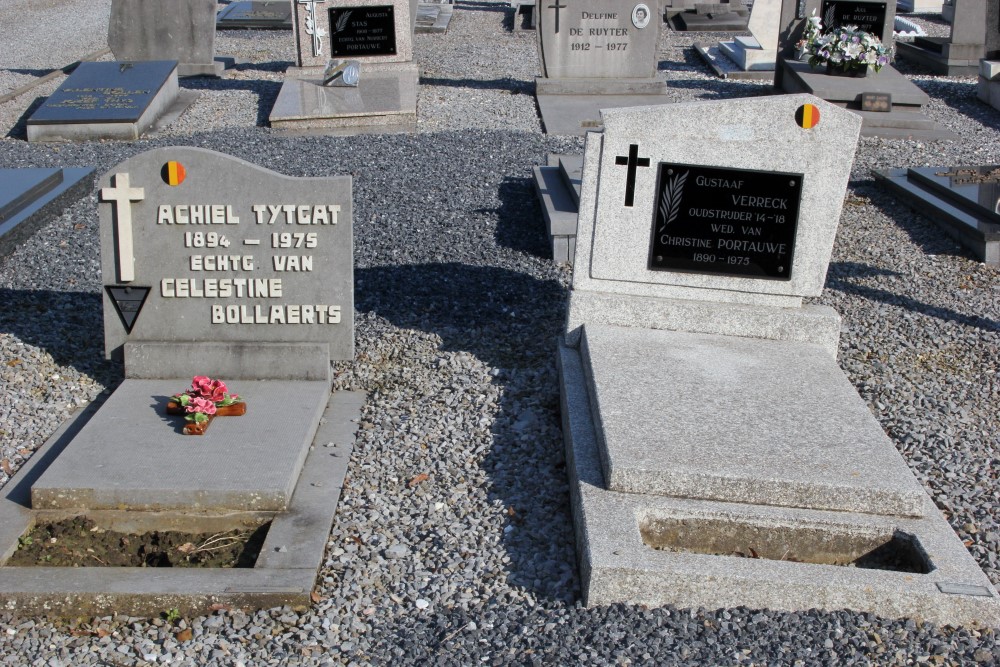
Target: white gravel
(458, 309)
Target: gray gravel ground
(458, 310)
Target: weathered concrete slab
(132, 455)
(738, 420)
(283, 575)
(575, 115)
(617, 564)
(976, 231)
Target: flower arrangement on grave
(849, 50)
(812, 30)
(206, 399)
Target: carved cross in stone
(312, 26)
(632, 161)
(557, 7)
(122, 194)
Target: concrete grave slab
(974, 35)
(433, 17)
(181, 30)
(284, 573)
(225, 252)
(383, 98)
(256, 14)
(32, 197)
(654, 550)
(109, 100)
(131, 455)
(558, 190)
(956, 200)
(738, 420)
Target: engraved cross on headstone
(312, 26)
(557, 7)
(122, 194)
(632, 160)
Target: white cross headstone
(123, 195)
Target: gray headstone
(260, 14)
(598, 38)
(741, 200)
(181, 30)
(202, 250)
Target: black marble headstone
(716, 220)
(362, 31)
(23, 186)
(105, 92)
(868, 16)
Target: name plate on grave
(868, 16)
(724, 221)
(362, 31)
(199, 246)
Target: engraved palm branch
(342, 21)
(670, 200)
(828, 16)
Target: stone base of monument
(988, 85)
(961, 200)
(32, 197)
(132, 99)
(125, 465)
(904, 119)
(572, 106)
(762, 482)
(385, 99)
(941, 56)
(726, 67)
(558, 188)
(433, 17)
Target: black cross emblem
(633, 160)
(557, 7)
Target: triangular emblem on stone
(128, 301)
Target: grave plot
(32, 196)
(183, 30)
(963, 201)
(111, 100)
(228, 291)
(718, 455)
(374, 38)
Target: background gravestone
(181, 30)
(975, 34)
(376, 33)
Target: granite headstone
(181, 30)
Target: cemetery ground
(453, 541)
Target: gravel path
(458, 311)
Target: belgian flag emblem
(173, 173)
(807, 116)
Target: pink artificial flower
(200, 383)
(203, 405)
(216, 392)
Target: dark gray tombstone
(259, 14)
(872, 16)
(31, 197)
(181, 30)
(107, 100)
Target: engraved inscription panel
(597, 38)
(723, 221)
(868, 16)
(362, 31)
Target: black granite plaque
(362, 31)
(723, 221)
(20, 187)
(106, 92)
(868, 16)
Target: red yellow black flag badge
(807, 116)
(173, 173)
